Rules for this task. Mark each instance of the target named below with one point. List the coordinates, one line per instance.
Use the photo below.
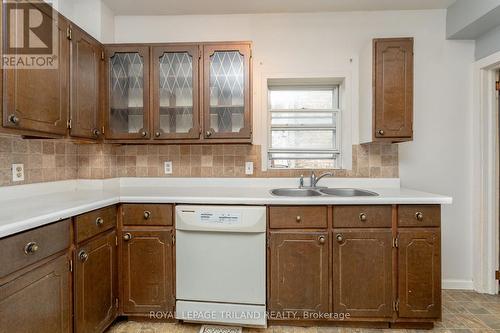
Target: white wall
(439, 158)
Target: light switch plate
(168, 167)
(17, 172)
(248, 168)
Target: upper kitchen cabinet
(36, 98)
(386, 90)
(127, 92)
(175, 87)
(85, 78)
(226, 91)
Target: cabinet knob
(363, 217)
(381, 132)
(298, 218)
(13, 119)
(96, 132)
(31, 248)
(127, 236)
(147, 215)
(144, 133)
(83, 256)
(419, 216)
(157, 134)
(322, 240)
(99, 221)
(339, 238)
(208, 133)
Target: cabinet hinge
(102, 130)
(173, 239)
(268, 242)
(69, 123)
(497, 85)
(116, 302)
(71, 265)
(116, 240)
(395, 242)
(396, 305)
(102, 55)
(69, 33)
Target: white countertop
(28, 206)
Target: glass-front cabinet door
(127, 88)
(175, 92)
(227, 109)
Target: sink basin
(295, 192)
(348, 192)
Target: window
(304, 126)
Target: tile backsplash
(49, 160)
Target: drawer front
(298, 217)
(419, 215)
(93, 223)
(147, 214)
(362, 216)
(29, 247)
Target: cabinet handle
(144, 133)
(99, 221)
(419, 216)
(381, 132)
(339, 238)
(13, 119)
(31, 248)
(363, 217)
(83, 256)
(208, 133)
(96, 132)
(147, 215)
(298, 218)
(157, 134)
(127, 236)
(321, 239)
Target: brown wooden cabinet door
(393, 87)
(298, 272)
(126, 92)
(227, 101)
(175, 82)
(38, 99)
(95, 284)
(419, 273)
(38, 301)
(85, 71)
(147, 271)
(362, 272)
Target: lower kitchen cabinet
(362, 272)
(96, 284)
(147, 270)
(38, 301)
(419, 273)
(298, 272)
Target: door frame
(485, 210)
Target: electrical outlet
(168, 167)
(17, 172)
(248, 168)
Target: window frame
(336, 112)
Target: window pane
(297, 139)
(297, 119)
(304, 164)
(304, 99)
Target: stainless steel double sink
(309, 192)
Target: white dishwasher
(221, 264)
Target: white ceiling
(209, 7)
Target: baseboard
(457, 284)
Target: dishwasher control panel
(220, 217)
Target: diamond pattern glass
(176, 92)
(126, 92)
(227, 89)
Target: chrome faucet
(314, 180)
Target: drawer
(93, 223)
(298, 217)
(147, 214)
(419, 215)
(29, 247)
(362, 216)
